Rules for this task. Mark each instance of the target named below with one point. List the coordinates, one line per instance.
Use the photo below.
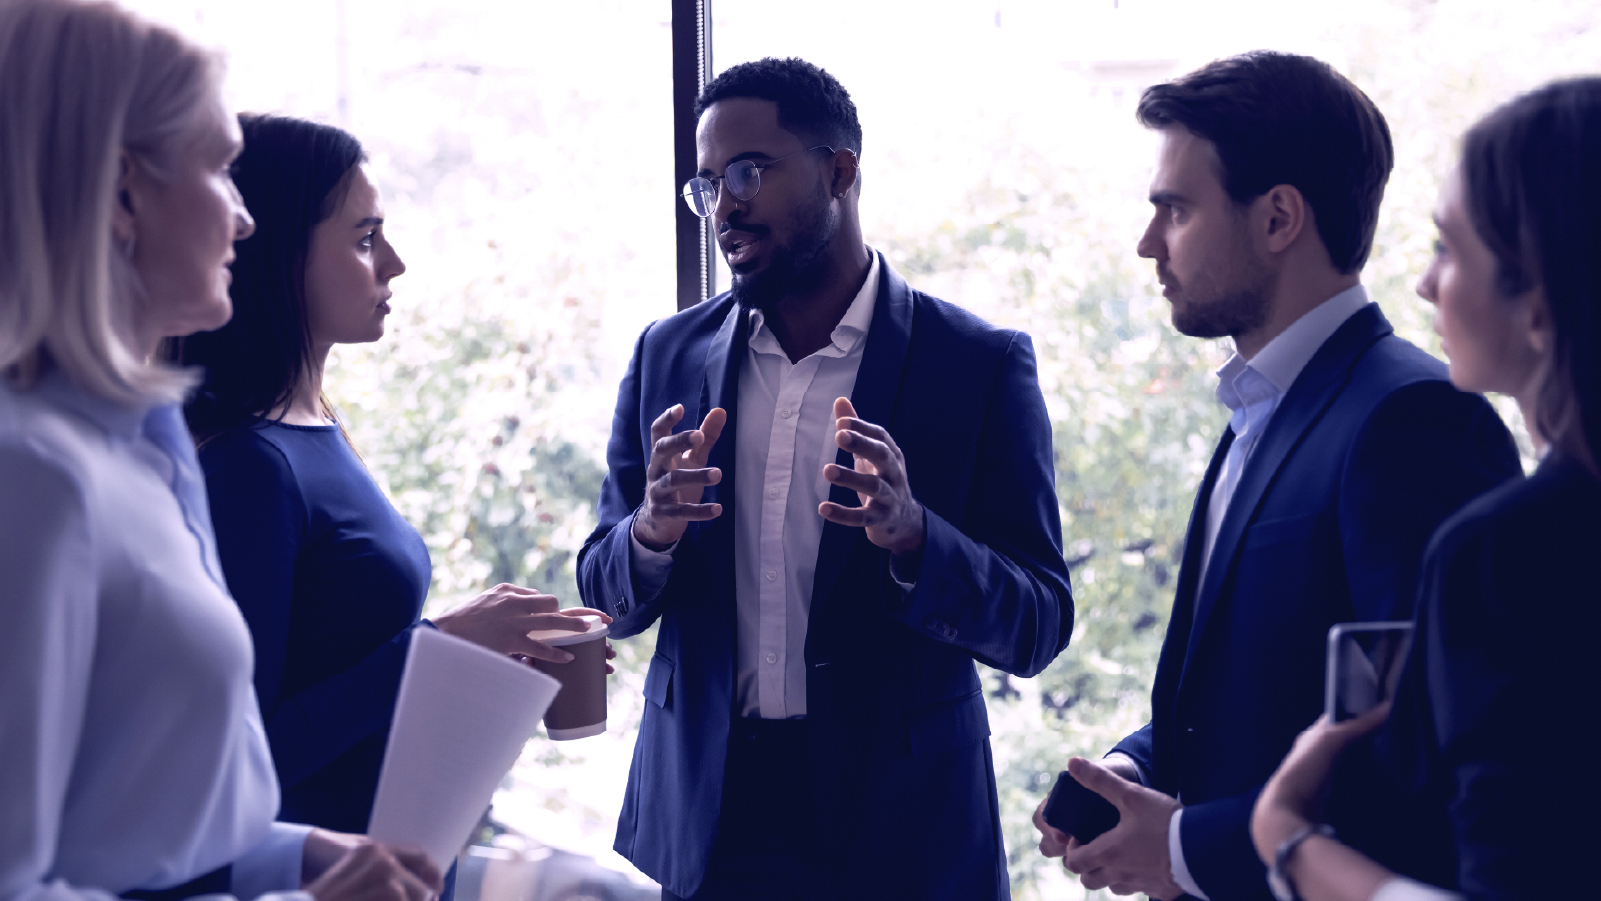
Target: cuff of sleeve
(1403, 889)
(273, 865)
(1144, 777)
(650, 568)
(1175, 853)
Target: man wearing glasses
(835, 494)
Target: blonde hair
(80, 84)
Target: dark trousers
(766, 845)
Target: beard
(1224, 304)
(795, 265)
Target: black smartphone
(1364, 665)
(1078, 811)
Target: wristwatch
(1278, 881)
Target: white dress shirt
(1251, 390)
(784, 435)
(131, 748)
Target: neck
(804, 319)
(304, 406)
(1293, 295)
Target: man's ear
(1285, 214)
(124, 226)
(845, 173)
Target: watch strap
(1278, 879)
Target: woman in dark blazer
(1479, 780)
(328, 574)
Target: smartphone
(1078, 811)
(1364, 665)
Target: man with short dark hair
(1346, 447)
(835, 494)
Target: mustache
(754, 230)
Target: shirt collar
(119, 420)
(852, 326)
(1282, 360)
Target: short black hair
(812, 104)
(1281, 119)
(1531, 177)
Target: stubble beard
(797, 266)
(1236, 304)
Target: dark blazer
(1369, 451)
(1468, 796)
(900, 753)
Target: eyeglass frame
(687, 194)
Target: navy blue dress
(331, 580)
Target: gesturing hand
(501, 618)
(675, 479)
(1132, 856)
(892, 517)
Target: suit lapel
(1305, 403)
(877, 383)
(720, 388)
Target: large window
(525, 152)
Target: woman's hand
(1293, 797)
(369, 871)
(501, 618)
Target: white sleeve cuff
(650, 568)
(1403, 889)
(1144, 777)
(273, 865)
(1175, 853)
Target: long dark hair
(293, 174)
(1532, 173)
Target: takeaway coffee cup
(579, 710)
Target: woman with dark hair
(1472, 783)
(329, 576)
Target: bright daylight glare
(524, 151)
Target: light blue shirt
(132, 753)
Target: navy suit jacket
(899, 735)
(1465, 795)
(1369, 451)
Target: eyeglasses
(743, 178)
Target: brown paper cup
(579, 710)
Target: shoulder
(50, 456)
(945, 325)
(1396, 382)
(1557, 507)
(248, 450)
(698, 323)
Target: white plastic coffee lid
(558, 637)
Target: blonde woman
(132, 759)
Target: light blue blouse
(131, 750)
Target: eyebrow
(369, 222)
(747, 155)
(1166, 198)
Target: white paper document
(461, 719)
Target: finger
(873, 451)
(418, 864)
(1093, 880)
(664, 449)
(663, 425)
(538, 650)
(611, 652)
(855, 517)
(1100, 780)
(557, 621)
(533, 603)
(679, 479)
(711, 429)
(692, 512)
(859, 482)
(585, 611)
(843, 408)
(861, 426)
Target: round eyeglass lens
(701, 195)
(744, 179)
